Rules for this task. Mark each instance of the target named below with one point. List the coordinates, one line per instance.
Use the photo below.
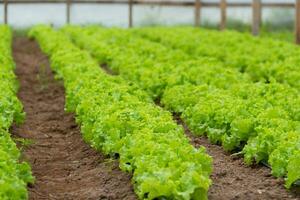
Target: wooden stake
(256, 12)
(68, 11)
(223, 7)
(130, 4)
(197, 12)
(297, 22)
(5, 11)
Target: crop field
(148, 113)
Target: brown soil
(64, 166)
(232, 179)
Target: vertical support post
(223, 8)
(197, 12)
(5, 11)
(130, 4)
(68, 11)
(256, 16)
(297, 22)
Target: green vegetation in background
(284, 35)
(280, 25)
(267, 30)
(20, 32)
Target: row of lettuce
(259, 119)
(118, 118)
(14, 175)
(263, 59)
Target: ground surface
(64, 166)
(67, 168)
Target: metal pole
(130, 4)
(5, 11)
(256, 9)
(223, 7)
(68, 11)
(197, 12)
(297, 22)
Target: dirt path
(232, 179)
(64, 166)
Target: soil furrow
(64, 166)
